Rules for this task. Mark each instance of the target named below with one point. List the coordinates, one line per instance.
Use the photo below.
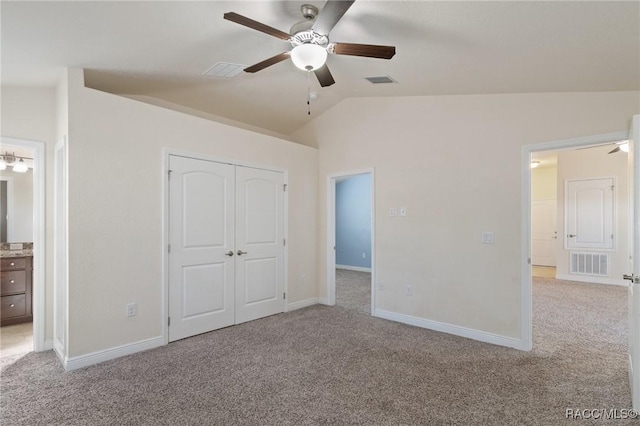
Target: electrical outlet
(131, 309)
(380, 287)
(364, 255)
(303, 278)
(408, 290)
(403, 211)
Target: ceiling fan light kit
(309, 40)
(309, 57)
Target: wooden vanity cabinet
(16, 290)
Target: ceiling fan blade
(243, 20)
(268, 62)
(367, 50)
(616, 149)
(324, 76)
(330, 14)
(596, 146)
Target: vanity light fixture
(18, 164)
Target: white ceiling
(160, 50)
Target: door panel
(634, 286)
(543, 232)
(205, 222)
(201, 232)
(589, 214)
(260, 235)
(261, 280)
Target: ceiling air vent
(225, 70)
(381, 80)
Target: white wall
(596, 163)
(455, 163)
(30, 114)
(116, 209)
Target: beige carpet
(353, 290)
(325, 365)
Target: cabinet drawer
(13, 263)
(13, 282)
(13, 306)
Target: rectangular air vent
(381, 80)
(225, 70)
(584, 263)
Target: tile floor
(543, 271)
(16, 339)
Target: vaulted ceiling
(158, 51)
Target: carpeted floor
(323, 365)
(353, 290)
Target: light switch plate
(488, 238)
(403, 211)
(393, 211)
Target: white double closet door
(226, 230)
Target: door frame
(166, 154)
(39, 240)
(526, 320)
(332, 179)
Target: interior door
(634, 286)
(544, 235)
(201, 233)
(259, 243)
(589, 213)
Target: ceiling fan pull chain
(308, 92)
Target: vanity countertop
(15, 253)
(25, 250)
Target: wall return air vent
(586, 263)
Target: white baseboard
(108, 354)
(353, 268)
(323, 300)
(457, 330)
(302, 304)
(590, 279)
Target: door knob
(229, 253)
(631, 278)
(240, 252)
(571, 235)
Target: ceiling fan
(309, 40)
(621, 146)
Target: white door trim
(166, 153)
(331, 234)
(39, 240)
(525, 257)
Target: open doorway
(578, 246)
(23, 239)
(350, 259)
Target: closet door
(201, 234)
(259, 243)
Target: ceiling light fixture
(535, 164)
(18, 164)
(309, 56)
